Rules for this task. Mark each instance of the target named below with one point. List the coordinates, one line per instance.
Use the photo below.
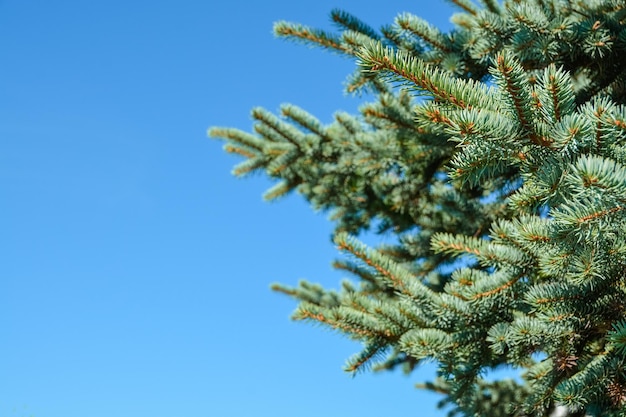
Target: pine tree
(496, 153)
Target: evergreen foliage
(496, 153)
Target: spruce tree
(496, 153)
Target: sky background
(134, 269)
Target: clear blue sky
(134, 270)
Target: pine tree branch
(310, 36)
(419, 75)
(350, 22)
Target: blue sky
(135, 270)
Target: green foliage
(497, 155)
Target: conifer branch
(350, 22)
(427, 343)
(248, 166)
(310, 36)
(278, 190)
(394, 275)
(274, 129)
(512, 79)
(556, 94)
(348, 122)
(492, 5)
(306, 312)
(371, 351)
(466, 6)
(497, 284)
(239, 150)
(304, 119)
(412, 72)
(237, 136)
(397, 38)
(424, 30)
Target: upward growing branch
(403, 68)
